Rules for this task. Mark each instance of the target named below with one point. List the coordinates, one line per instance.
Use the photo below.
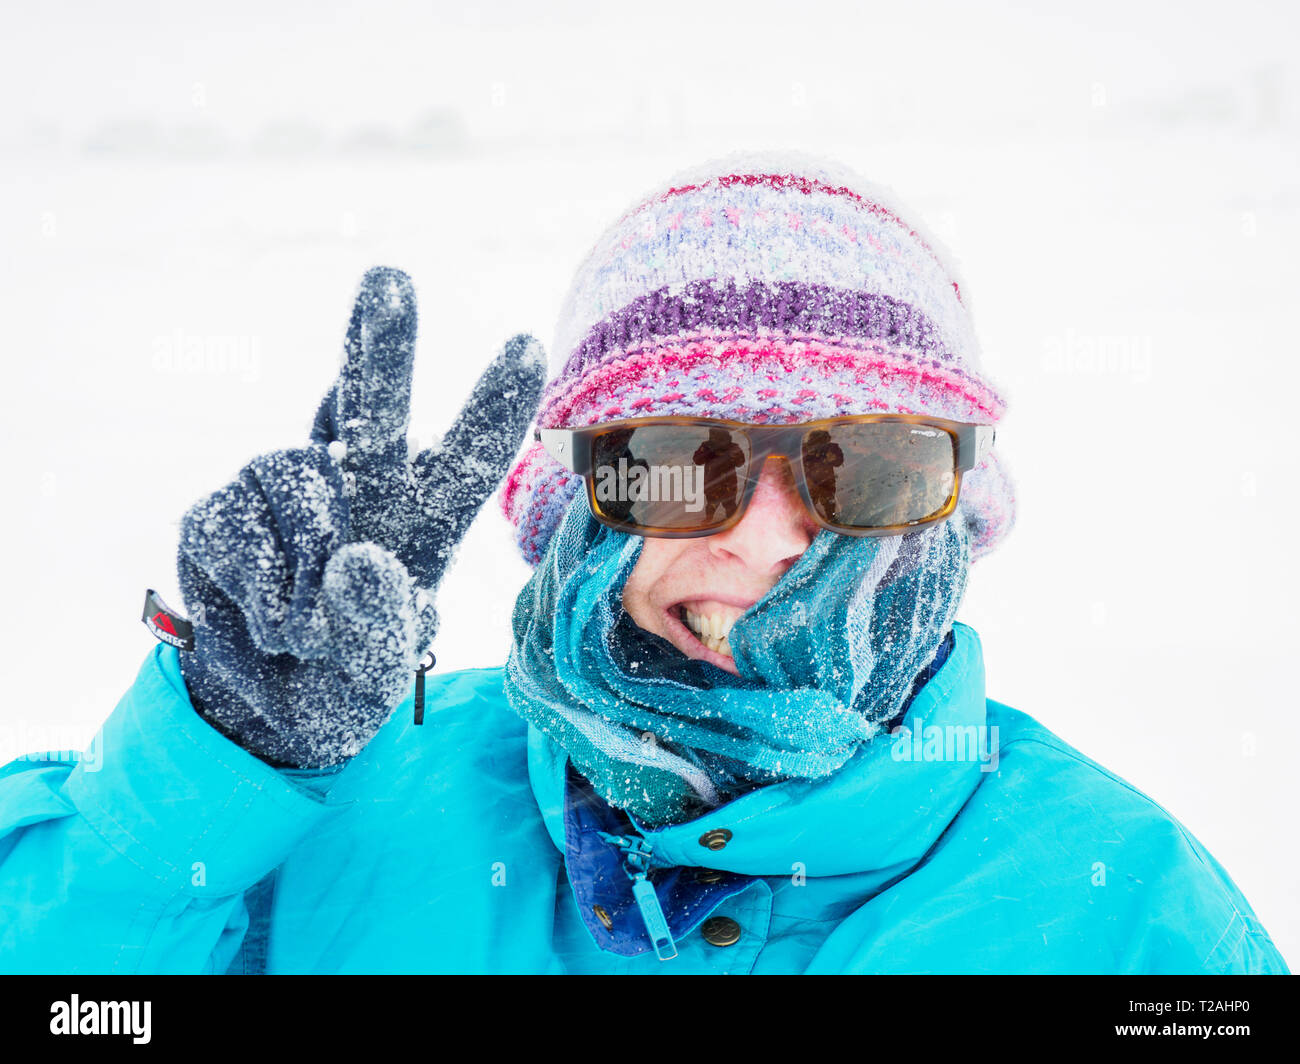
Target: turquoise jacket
(971, 840)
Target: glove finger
(367, 594)
(368, 406)
(457, 475)
(377, 620)
(263, 541)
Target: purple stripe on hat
(786, 306)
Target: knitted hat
(762, 288)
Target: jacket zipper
(636, 863)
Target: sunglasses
(682, 477)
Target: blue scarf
(826, 658)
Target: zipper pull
(636, 863)
(653, 916)
(420, 670)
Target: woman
(748, 736)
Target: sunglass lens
(879, 474)
(669, 477)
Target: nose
(776, 527)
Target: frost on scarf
(826, 659)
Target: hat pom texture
(764, 288)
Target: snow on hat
(762, 287)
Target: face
(690, 591)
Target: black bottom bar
(330, 1012)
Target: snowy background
(189, 197)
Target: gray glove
(310, 577)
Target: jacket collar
(881, 811)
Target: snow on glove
(310, 577)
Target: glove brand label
(166, 624)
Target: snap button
(603, 917)
(715, 839)
(709, 875)
(720, 931)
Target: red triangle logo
(165, 623)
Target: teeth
(712, 629)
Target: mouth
(700, 629)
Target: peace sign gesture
(310, 577)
